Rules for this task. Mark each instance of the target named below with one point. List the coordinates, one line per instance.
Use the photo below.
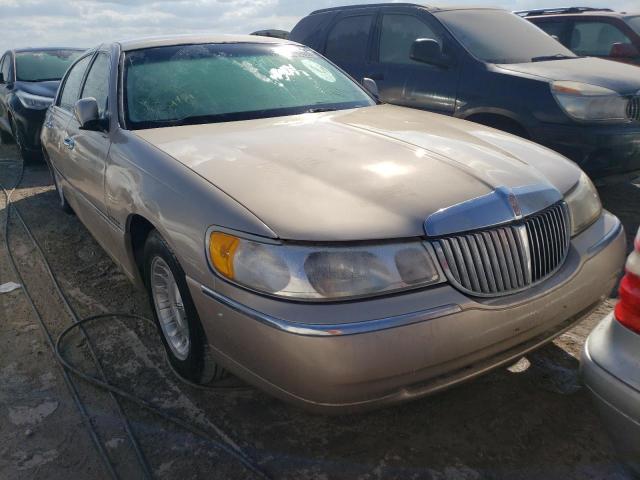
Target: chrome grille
(633, 109)
(507, 259)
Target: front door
(348, 43)
(403, 81)
(88, 149)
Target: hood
(616, 76)
(43, 89)
(364, 174)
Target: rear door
(348, 41)
(88, 149)
(403, 81)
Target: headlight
(584, 205)
(590, 102)
(35, 102)
(322, 272)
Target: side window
(5, 68)
(71, 90)
(596, 38)
(398, 34)
(349, 38)
(554, 28)
(97, 83)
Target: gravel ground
(531, 421)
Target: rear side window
(97, 83)
(71, 90)
(555, 28)
(398, 34)
(596, 38)
(349, 38)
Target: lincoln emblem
(515, 206)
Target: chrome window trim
(333, 330)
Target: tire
(193, 362)
(28, 156)
(5, 138)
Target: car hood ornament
(503, 205)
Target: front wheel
(175, 314)
(28, 156)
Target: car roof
(170, 40)
(571, 11)
(45, 49)
(430, 8)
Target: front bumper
(601, 151)
(336, 358)
(29, 121)
(610, 369)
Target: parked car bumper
(601, 151)
(611, 370)
(358, 355)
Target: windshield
(190, 84)
(634, 22)
(44, 65)
(498, 36)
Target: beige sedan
(339, 253)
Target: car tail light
(628, 308)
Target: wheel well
(139, 230)
(500, 122)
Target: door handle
(69, 143)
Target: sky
(86, 23)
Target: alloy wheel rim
(170, 308)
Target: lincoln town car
(337, 252)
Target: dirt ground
(531, 421)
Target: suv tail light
(628, 308)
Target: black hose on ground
(228, 446)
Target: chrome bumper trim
(334, 330)
(606, 240)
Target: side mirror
(427, 50)
(624, 50)
(88, 114)
(371, 86)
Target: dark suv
(592, 32)
(29, 80)
(492, 67)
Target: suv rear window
(634, 22)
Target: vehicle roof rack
(560, 11)
(368, 5)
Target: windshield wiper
(547, 58)
(321, 109)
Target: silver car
(611, 366)
(339, 253)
